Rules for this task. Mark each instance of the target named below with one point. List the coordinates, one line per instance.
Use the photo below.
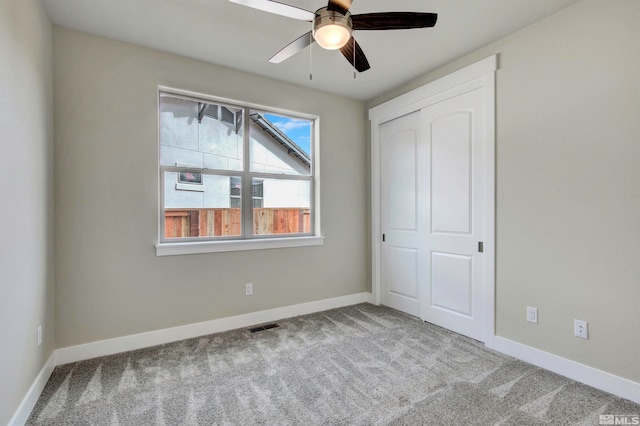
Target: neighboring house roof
(292, 148)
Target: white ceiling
(239, 37)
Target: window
(189, 177)
(235, 191)
(232, 172)
(257, 193)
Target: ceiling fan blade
(361, 62)
(292, 48)
(393, 20)
(278, 8)
(341, 6)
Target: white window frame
(168, 247)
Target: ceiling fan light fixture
(331, 30)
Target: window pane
(280, 144)
(200, 134)
(202, 207)
(285, 207)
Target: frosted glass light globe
(332, 36)
(331, 29)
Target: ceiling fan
(333, 26)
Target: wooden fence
(187, 223)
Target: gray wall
(26, 198)
(568, 182)
(109, 282)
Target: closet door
(433, 214)
(403, 261)
(454, 289)
(433, 201)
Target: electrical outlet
(532, 314)
(39, 335)
(581, 329)
(248, 289)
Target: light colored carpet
(360, 365)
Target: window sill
(174, 249)
(189, 187)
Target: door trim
(478, 75)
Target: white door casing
(460, 201)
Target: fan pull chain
(310, 55)
(354, 58)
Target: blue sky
(298, 130)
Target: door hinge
(480, 247)
(384, 238)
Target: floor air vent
(264, 327)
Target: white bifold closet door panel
(432, 213)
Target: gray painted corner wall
(109, 281)
(568, 193)
(26, 197)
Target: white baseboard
(29, 401)
(598, 379)
(167, 335)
